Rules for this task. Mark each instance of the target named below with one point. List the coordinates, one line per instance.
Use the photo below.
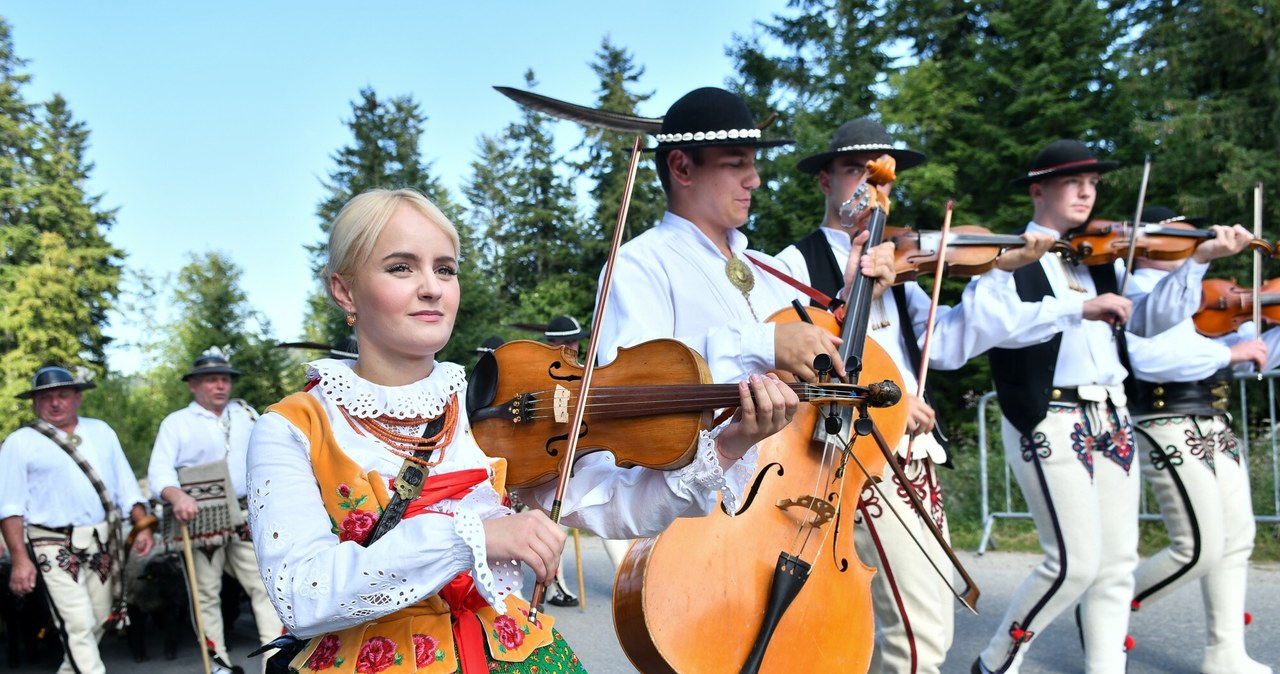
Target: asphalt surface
(1169, 635)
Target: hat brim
(1099, 167)
(728, 142)
(77, 385)
(580, 335)
(212, 370)
(905, 159)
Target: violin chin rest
(482, 386)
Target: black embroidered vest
(1024, 377)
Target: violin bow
(1137, 220)
(923, 366)
(1257, 265)
(588, 368)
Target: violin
(971, 250)
(1105, 241)
(647, 407)
(1225, 306)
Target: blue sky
(213, 123)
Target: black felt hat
(51, 377)
(212, 361)
(1160, 215)
(489, 344)
(861, 135)
(709, 117)
(1063, 158)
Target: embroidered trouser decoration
(76, 570)
(1086, 515)
(1203, 494)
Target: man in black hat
(565, 331)
(64, 481)
(1192, 461)
(914, 616)
(1061, 380)
(691, 276)
(213, 429)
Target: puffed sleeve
(317, 583)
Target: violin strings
(602, 400)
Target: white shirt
(193, 436)
(1179, 354)
(41, 483)
(675, 265)
(318, 584)
(958, 333)
(1089, 353)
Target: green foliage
(385, 152)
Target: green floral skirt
(554, 658)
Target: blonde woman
(439, 592)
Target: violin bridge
(822, 510)
(560, 404)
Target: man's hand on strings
(1014, 258)
(765, 406)
(878, 263)
(795, 345)
(1226, 241)
(530, 537)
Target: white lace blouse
(320, 585)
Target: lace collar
(365, 400)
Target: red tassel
(1248, 617)
(1018, 635)
(1128, 643)
(1135, 605)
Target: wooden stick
(582, 588)
(1257, 265)
(195, 596)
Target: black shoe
(559, 598)
(978, 667)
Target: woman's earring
(351, 319)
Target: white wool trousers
(1078, 475)
(1193, 465)
(76, 572)
(914, 607)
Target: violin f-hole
(555, 376)
(552, 450)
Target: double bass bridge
(822, 510)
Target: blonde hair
(358, 225)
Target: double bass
(778, 587)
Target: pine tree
(818, 66)
(58, 274)
(1206, 76)
(385, 152)
(537, 274)
(609, 155)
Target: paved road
(1169, 635)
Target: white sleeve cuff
(706, 475)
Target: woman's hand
(530, 537)
(765, 406)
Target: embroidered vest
(419, 637)
(1024, 377)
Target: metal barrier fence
(1239, 424)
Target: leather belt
(1064, 394)
(1208, 397)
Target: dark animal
(28, 625)
(158, 602)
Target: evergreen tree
(211, 309)
(58, 274)
(1206, 76)
(826, 70)
(545, 211)
(385, 152)
(609, 155)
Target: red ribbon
(468, 632)
(460, 594)
(441, 487)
